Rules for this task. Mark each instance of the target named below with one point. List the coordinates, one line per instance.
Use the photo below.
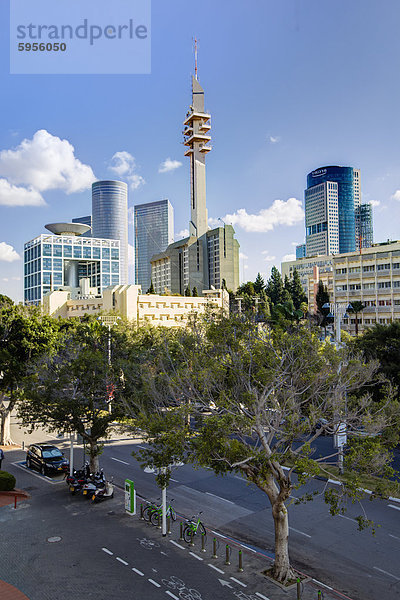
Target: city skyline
(275, 125)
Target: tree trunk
(282, 570)
(5, 432)
(94, 452)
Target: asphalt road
(331, 549)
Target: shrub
(7, 481)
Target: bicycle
(156, 514)
(193, 527)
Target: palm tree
(356, 308)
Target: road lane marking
(137, 571)
(176, 544)
(195, 555)
(121, 561)
(248, 548)
(261, 596)
(171, 594)
(394, 536)
(118, 460)
(219, 497)
(216, 569)
(301, 532)
(219, 534)
(239, 582)
(143, 447)
(393, 506)
(348, 518)
(323, 584)
(387, 573)
(176, 481)
(154, 582)
(107, 551)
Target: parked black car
(46, 458)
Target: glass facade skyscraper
(154, 231)
(110, 217)
(52, 262)
(347, 181)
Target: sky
(291, 86)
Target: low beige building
(371, 276)
(128, 302)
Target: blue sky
(291, 86)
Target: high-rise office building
(206, 257)
(154, 231)
(364, 226)
(85, 221)
(301, 251)
(332, 196)
(62, 260)
(110, 217)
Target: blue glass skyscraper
(348, 200)
(110, 217)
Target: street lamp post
(109, 322)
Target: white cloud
(45, 162)
(246, 267)
(182, 234)
(131, 215)
(375, 202)
(124, 165)
(280, 213)
(288, 257)
(396, 195)
(5, 279)
(274, 139)
(267, 256)
(169, 165)
(243, 256)
(12, 195)
(7, 253)
(135, 181)
(131, 255)
(16, 278)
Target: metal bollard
(298, 589)
(240, 569)
(141, 512)
(168, 524)
(319, 595)
(191, 538)
(181, 532)
(227, 561)
(203, 542)
(214, 554)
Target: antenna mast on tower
(195, 58)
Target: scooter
(95, 482)
(78, 478)
(102, 493)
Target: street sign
(130, 497)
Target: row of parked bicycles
(153, 513)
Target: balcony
(205, 126)
(197, 137)
(195, 116)
(203, 148)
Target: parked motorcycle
(94, 482)
(77, 480)
(104, 492)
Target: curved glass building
(110, 217)
(347, 182)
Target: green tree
(322, 298)
(79, 387)
(296, 291)
(259, 284)
(25, 335)
(275, 289)
(187, 291)
(195, 293)
(356, 308)
(151, 289)
(263, 390)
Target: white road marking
(348, 518)
(239, 582)
(121, 561)
(394, 536)
(118, 460)
(301, 532)
(393, 499)
(386, 573)
(219, 497)
(171, 594)
(176, 481)
(195, 555)
(176, 544)
(107, 551)
(323, 584)
(216, 569)
(137, 571)
(154, 582)
(393, 506)
(219, 534)
(248, 548)
(144, 447)
(261, 596)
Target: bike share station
(130, 497)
